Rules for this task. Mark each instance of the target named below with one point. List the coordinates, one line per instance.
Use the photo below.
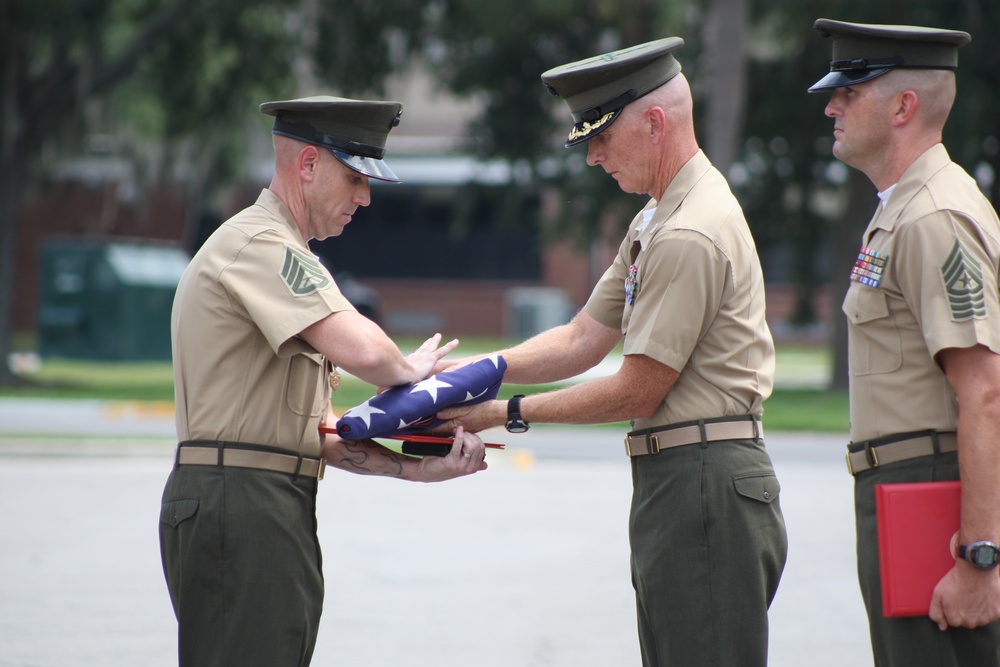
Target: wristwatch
(515, 424)
(983, 555)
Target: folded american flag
(411, 408)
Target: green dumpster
(107, 299)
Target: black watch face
(517, 426)
(984, 556)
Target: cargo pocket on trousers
(173, 512)
(761, 487)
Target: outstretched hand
(424, 359)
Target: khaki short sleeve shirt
(687, 290)
(925, 280)
(240, 371)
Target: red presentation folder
(915, 524)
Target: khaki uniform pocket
(876, 345)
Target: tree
(498, 51)
(54, 58)
(726, 27)
(194, 69)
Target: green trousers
(914, 641)
(708, 548)
(243, 566)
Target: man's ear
(907, 104)
(308, 162)
(656, 118)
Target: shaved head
(674, 97)
(934, 88)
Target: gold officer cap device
(597, 89)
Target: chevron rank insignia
(302, 273)
(963, 283)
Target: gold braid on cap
(585, 128)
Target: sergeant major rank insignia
(963, 283)
(302, 273)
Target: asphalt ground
(523, 565)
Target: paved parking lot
(525, 565)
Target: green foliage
(359, 44)
(498, 51)
(215, 64)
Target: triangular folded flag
(411, 408)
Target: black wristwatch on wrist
(983, 555)
(515, 424)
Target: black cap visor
(847, 78)
(362, 158)
(368, 166)
(584, 130)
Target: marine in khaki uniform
(686, 295)
(924, 329)
(258, 328)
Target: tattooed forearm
(368, 458)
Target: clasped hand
(966, 597)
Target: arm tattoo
(369, 458)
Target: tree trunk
(9, 191)
(725, 53)
(861, 203)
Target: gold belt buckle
(871, 458)
(653, 448)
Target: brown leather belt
(658, 438)
(239, 455)
(870, 454)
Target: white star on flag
(413, 408)
(365, 412)
(431, 386)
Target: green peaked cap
(354, 131)
(862, 51)
(597, 89)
